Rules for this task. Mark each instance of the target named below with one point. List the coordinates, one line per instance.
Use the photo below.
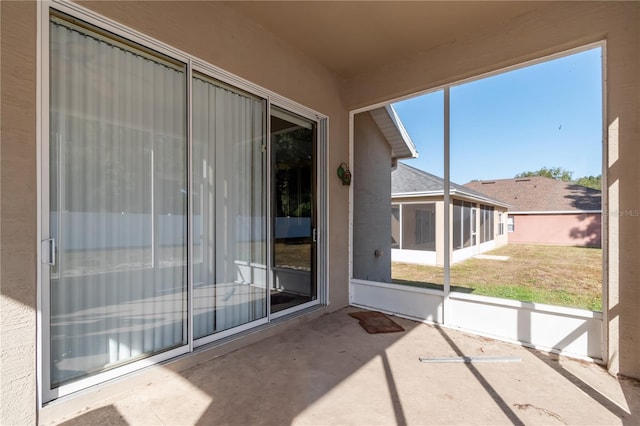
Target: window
(462, 218)
(425, 228)
(419, 226)
(486, 223)
(480, 145)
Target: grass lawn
(555, 275)
(294, 256)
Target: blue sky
(548, 114)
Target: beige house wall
(18, 214)
(581, 229)
(552, 28)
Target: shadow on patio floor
(330, 371)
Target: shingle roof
(538, 193)
(407, 180)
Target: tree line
(558, 173)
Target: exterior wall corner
(18, 224)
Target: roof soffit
(394, 132)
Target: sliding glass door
(293, 147)
(117, 203)
(229, 207)
(171, 217)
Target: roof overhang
(460, 194)
(391, 127)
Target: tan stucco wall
(210, 31)
(18, 214)
(581, 229)
(553, 28)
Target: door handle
(48, 250)
(315, 235)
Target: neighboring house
(548, 211)
(417, 219)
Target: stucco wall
(18, 215)
(552, 28)
(559, 229)
(371, 201)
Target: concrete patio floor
(331, 372)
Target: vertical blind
(229, 207)
(118, 198)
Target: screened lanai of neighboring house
(417, 222)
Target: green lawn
(555, 275)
